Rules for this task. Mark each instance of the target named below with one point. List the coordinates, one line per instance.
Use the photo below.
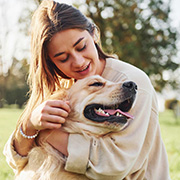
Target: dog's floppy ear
(59, 95)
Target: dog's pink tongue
(112, 112)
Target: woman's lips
(85, 70)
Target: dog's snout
(130, 85)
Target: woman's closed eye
(81, 49)
(64, 60)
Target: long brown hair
(44, 77)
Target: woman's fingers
(57, 112)
(58, 104)
(53, 118)
(50, 114)
(50, 125)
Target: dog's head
(100, 106)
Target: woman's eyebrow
(58, 54)
(77, 42)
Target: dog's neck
(85, 129)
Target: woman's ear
(96, 34)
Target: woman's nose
(78, 60)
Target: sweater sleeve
(78, 150)
(15, 161)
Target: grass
(169, 129)
(8, 118)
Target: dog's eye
(97, 84)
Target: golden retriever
(98, 108)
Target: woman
(65, 48)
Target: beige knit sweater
(136, 153)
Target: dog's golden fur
(47, 163)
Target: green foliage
(13, 86)
(16, 95)
(138, 31)
(170, 103)
(169, 130)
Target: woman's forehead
(67, 38)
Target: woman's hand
(50, 114)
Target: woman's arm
(49, 115)
(56, 138)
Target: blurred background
(145, 33)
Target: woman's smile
(85, 70)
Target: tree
(138, 32)
(16, 88)
(14, 51)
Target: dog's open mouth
(113, 114)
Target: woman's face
(73, 51)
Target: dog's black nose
(130, 85)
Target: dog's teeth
(100, 111)
(118, 114)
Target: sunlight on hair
(64, 1)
